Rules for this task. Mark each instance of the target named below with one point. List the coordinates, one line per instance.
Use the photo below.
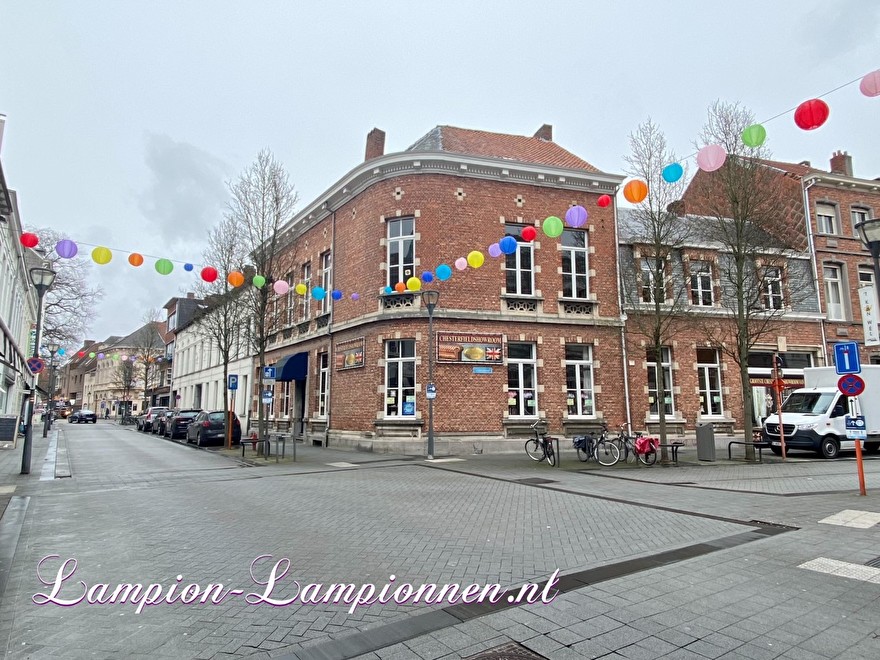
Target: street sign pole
(856, 410)
(777, 388)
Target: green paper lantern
(259, 281)
(553, 226)
(164, 266)
(91, 355)
(754, 135)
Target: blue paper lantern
(427, 276)
(672, 172)
(444, 272)
(188, 267)
(507, 245)
(319, 293)
(336, 295)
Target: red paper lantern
(811, 114)
(529, 233)
(29, 240)
(81, 354)
(209, 274)
(604, 200)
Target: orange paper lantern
(135, 259)
(235, 278)
(400, 287)
(635, 191)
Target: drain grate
(510, 651)
(873, 562)
(534, 481)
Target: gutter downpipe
(623, 316)
(812, 247)
(327, 406)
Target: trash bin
(705, 442)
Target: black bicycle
(636, 447)
(601, 449)
(540, 447)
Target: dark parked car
(145, 420)
(83, 417)
(161, 422)
(175, 422)
(210, 428)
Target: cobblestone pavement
(677, 562)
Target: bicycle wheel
(628, 453)
(607, 453)
(534, 450)
(648, 458)
(583, 455)
(550, 454)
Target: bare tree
(124, 381)
(63, 317)
(224, 321)
(263, 200)
(660, 301)
(146, 348)
(757, 234)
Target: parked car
(145, 420)
(62, 412)
(83, 416)
(161, 422)
(176, 422)
(209, 427)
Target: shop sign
(462, 347)
(767, 381)
(350, 354)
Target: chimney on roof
(190, 295)
(677, 207)
(375, 144)
(841, 163)
(545, 133)
(805, 163)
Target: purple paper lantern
(576, 216)
(494, 250)
(66, 249)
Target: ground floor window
(522, 387)
(654, 367)
(323, 384)
(579, 380)
(400, 378)
(709, 374)
(284, 410)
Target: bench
(757, 445)
(674, 446)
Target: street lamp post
(430, 298)
(52, 347)
(42, 278)
(869, 232)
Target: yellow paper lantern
(414, 284)
(301, 289)
(101, 255)
(475, 259)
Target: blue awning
(292, 367)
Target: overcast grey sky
(124, 119)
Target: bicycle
(602, 450)
(540, 447)
(638, 447)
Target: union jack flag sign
(493, 353)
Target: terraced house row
(548, 331)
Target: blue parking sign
(233, 381)
(846, 358)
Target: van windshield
(808, 403)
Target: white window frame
(400, 366)
(323, 384)
(666, 365)
(290, 300)
(832, 275)
(401, 234)
(866, 276)
(579, 381)
(858, 214)
(826, 219)
(305, 306)
(701, 283)
(284, 410)
(572, 274)
(326, 280)
(513, 263)
(520, 371)
(647, 274)
(705, 371)
(772, 298)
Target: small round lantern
(811, 114)
(711, 157)
(635, 191)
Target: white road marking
(853, 518)
(342, 464)
(843, 569)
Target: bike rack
(558, 455)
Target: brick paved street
(661, 562)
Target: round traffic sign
(851, 385)
(36, 365)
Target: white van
(813, 417)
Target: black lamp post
(430, 299)
(42, 278)
(52, 347)
(869, 232)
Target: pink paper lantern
(870, 85)
(281, 287)
(461, 263)
(711, 157)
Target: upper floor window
(652, 281)
(326, 280)
(859, 214)
(172, 320)
(833, 292)
(771, 294)
(519, 266)
(290, 299)
(306, 302)
(575, 264)
(866, 276)
(826, 219)
(701, 283)
(401, 242)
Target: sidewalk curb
(62, 458)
